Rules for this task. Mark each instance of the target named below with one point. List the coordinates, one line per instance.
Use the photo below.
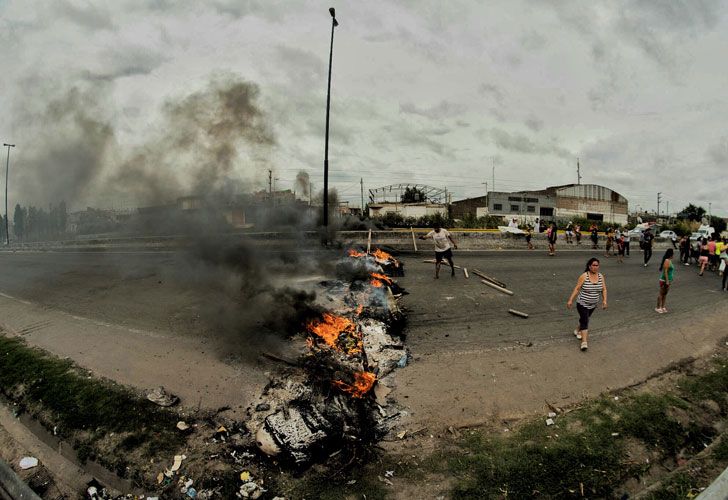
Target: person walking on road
(648, 238)
(666, 276)
(620, 248)
(443, 248)
(551, 235)
(685, 250)
(589, 287)
(609, 243)
(703, 258)
(594, 235)
(577, 233)
(529, 235)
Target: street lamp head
(332, 11)
(9, 145)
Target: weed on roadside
(593, 450)
(83, 409)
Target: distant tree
(691, 212)
(718, 224)
(19, 222)
(413, 195)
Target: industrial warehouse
(555, 203)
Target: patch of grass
(709, 386)
(321, 485)
(680, 485)
(586, 448)
(80, 406)
(720, 452)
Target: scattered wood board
(414, 240)
(499, 288)
(486, 277)
(518, 313)
(465, 271)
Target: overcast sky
(121, 102)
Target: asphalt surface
(164, 291)
(459, 313)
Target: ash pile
(334, 400)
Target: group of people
(591, 286)
(710, 252)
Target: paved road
(170, 292)
(462, 313)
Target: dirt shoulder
(481, 386)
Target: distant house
(556, 203)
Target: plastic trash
(28, 462)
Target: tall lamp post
(334, 24)
(7, 167)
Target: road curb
(12, 487)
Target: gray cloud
(124, 62)
(534, 123)
(519, 143)
(90, 16)
(302, 67)
(718, 153)
(493, 91)
(444, 109)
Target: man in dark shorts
(443, 248)
(648, 237)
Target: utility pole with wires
(578, 171)
(492, 162)
(659, 199)
(361, 183)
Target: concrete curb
(718, 489)
(12, 487)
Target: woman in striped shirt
(588, 287)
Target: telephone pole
(361, 183)
(659, 198)
(7, 167)
(578, 171)
(492, 160)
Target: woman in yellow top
(665, 279)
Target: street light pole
(334, 23)
(7, 168)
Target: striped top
(590, 292)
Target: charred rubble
(328, 403)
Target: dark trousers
(584, 313)
(648, 252)
(626, 247)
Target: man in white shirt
(443, 248)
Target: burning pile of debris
(335, 397)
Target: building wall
(407, 210)
(554, 203)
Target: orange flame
(381, 255)
(363, 382)
(354, 253)
(382, 277)
(330, 328)
(376, 283)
